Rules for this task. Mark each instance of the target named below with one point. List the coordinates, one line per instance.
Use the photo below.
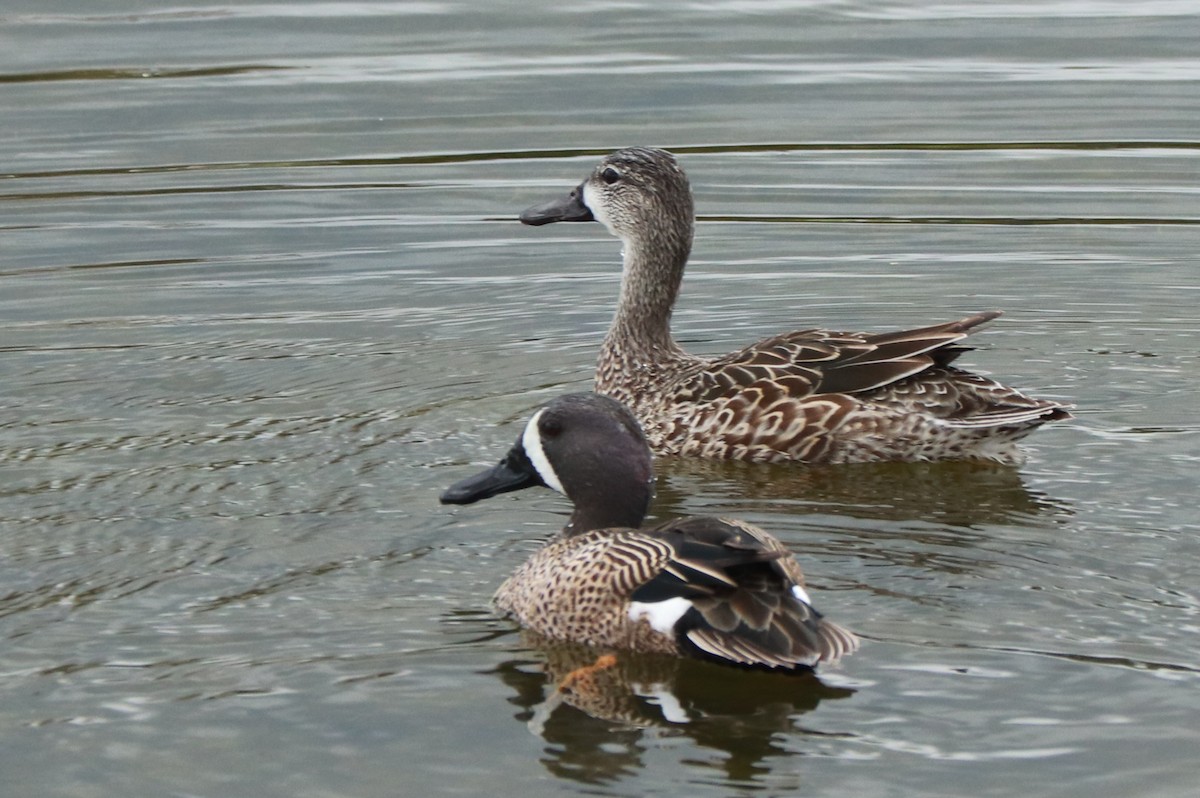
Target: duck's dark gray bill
(564, 209)
(504, 477)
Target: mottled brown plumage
(810, 395)
(709, 587)
(580, 588)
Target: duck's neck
(617, 509)
(650, 280)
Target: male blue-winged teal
(708, 587)
(811, 395)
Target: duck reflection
(599, 713)
(958, 493)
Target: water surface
(262, 296)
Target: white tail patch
(661, 615)
(801, 594)
(532, 443)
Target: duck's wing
(812, 362)
(732, 592)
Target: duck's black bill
(514, 472)
(564, 209)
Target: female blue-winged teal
(708, 587)
(812, 395)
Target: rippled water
(262, 296)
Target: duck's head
(584, 445)
(637, 193)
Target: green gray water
(262, 296)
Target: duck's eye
(610, 175)
(550, 427)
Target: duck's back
(708, 587)
(829, 397)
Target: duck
(811, 395)
(711, 588)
